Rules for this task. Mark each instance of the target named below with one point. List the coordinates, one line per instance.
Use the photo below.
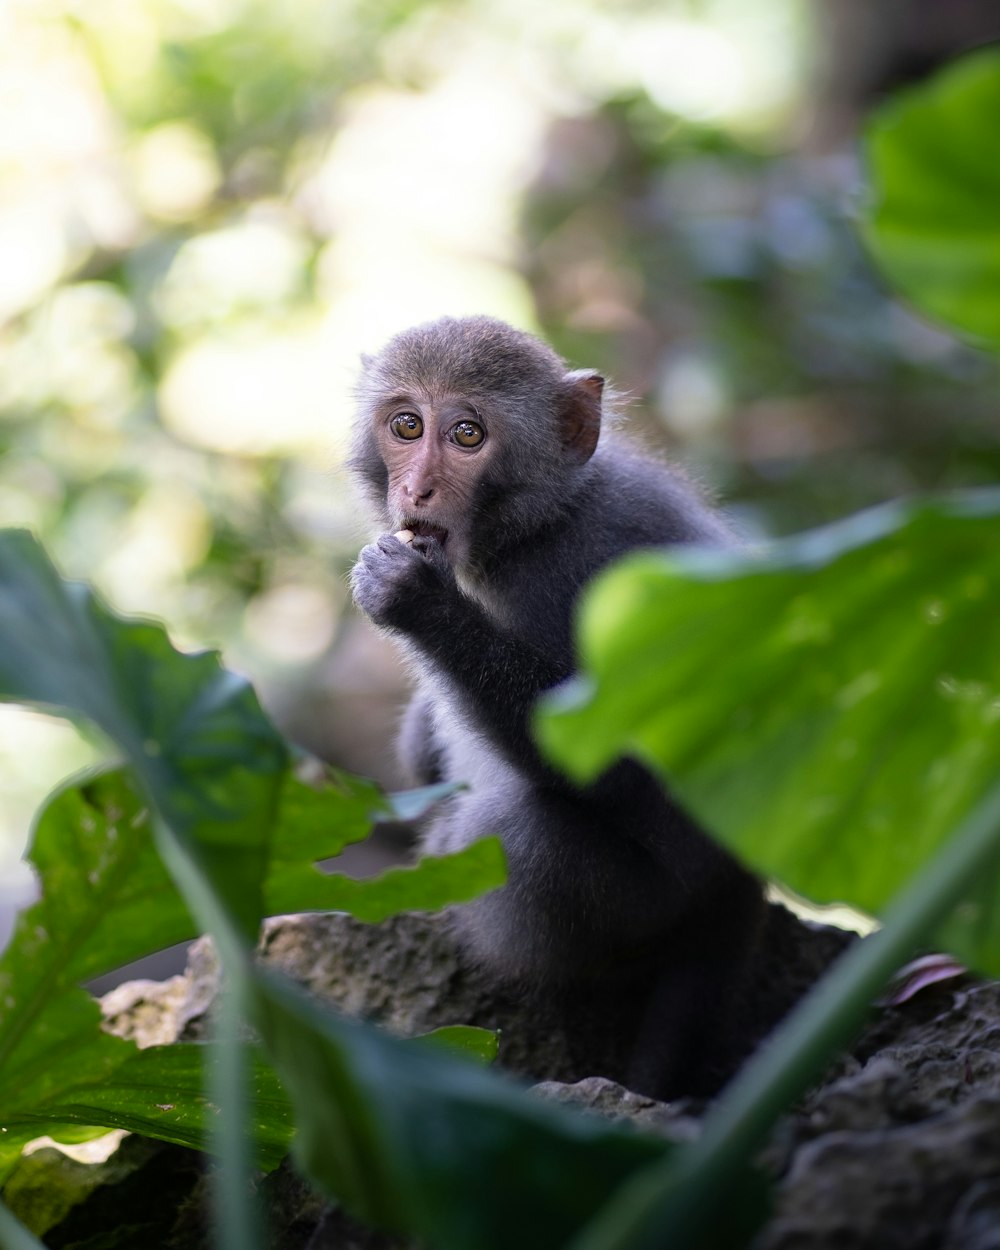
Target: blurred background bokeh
(209, 208)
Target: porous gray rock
(902, 1147)
(676, 1120)
(407, 975)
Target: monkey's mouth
(423, 529)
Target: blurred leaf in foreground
(831, 710)
(106, 899)
(933, 223)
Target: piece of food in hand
(404, 536)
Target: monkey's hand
(404, 586)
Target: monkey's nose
(419, 492)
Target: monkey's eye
(467, 434)
(407, 425)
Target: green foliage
(81, 1076)
(187, 728)
(106, 899)
(314, 824)
(830, 709)
(480, 1044)
(932, 223)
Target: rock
(155, 1013)
(407, 975)
(894, 1188)
(677, 1121)
(975, 1221)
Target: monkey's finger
(432, 550)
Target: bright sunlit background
(208, 208)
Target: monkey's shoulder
(649, 501)
(625, 501)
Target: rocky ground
(899, 1147)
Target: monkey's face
(473, 435)
(436, 452)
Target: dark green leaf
(429, 884)
(481, 1044)
(203, 750)
(106, 898)
(318, 821)
(158, 1091)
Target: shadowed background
(208, 208)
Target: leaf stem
(237, 1218)
(13, 1234)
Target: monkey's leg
(688, 1034)
(579, 896)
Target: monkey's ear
(580, 420)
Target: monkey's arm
(497, 675)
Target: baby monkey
(501, 496)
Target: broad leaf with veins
(831, 710)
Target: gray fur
(610, 883)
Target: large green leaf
(159, 1092)
(215, 770)
(194, 733)
(831, 710)
(933, 221)
(431, 883)
(107, 899)
(318, 820)
(465, 1039)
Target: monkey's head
(474, 434)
